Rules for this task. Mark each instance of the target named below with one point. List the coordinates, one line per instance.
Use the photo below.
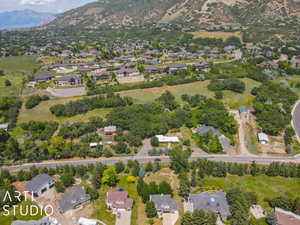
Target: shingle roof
(69, 78)
(45, 76)
(286, 217)
(215, 202)
(119, 199)
(205, 129)
(73, 198)
(38, 182)
(164, 202)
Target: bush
(154, 141)
(227, 84)
(34, 100)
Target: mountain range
(117, 13)
(23, 19)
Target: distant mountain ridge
(117, 13)
(24, 19)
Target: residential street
(165, 159)
(296, 119)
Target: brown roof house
(295, 61)
(118, 201)
(286, 217)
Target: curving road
(165, 159)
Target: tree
(110, 177)
(168, 100)
(165, 188)
(59, 187)
(67, 179)
(184, 190)
(271, 219)
(154, 141)
(119, 167)
(179, 160)
(92, 192)
(7, 83)
(150, 209)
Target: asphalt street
(164, 159)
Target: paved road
(296, 119)
(67, 92)
(165, 159)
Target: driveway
(145, 148)
(170, 218)
(67, 92)
(124, 218)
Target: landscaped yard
(7, 220)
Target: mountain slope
(23, 19)
(107, 13)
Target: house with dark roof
(164, 204)
(126, 72)
(73, 199)
(39, 184)
(118, 201)
(174, 67)
(209, 202)
(203, 130)
(43, 77)
(70, 80)
(286, 218)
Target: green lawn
(16, 85)
(263, 186)
(19, 64)
(7, 220)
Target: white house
(84, 221)
(263, 138)
(165, 139)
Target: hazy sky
(41, 5)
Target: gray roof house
(73, 199)
(43, 77)
(205, 129)
(164, 203)
(39, 184)
(70, 80)
(214, 202)
(4, 126)
(43, 221)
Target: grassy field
(16, 85)
(19, 64)
(217, 34)
(7, 220)
(234, 100)
(263, 186)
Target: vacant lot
(217, 34)
(25, 64)
(234, 100)
(263, 186)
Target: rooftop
(215, 202)
(38, 182)
(72, 198)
